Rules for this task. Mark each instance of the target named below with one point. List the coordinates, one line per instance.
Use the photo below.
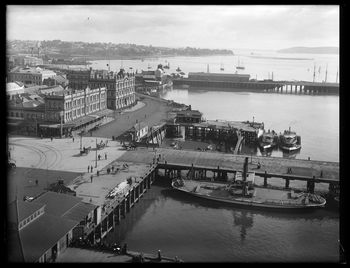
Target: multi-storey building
(74, 104)
(29, 75)
(57, 111)
(120, 86)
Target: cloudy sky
(230, 26)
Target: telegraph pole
(96, 155)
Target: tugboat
(268, 140)
(289, 141)
(242, 191)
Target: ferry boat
(289, 141)
(242, 191)
(268, 140)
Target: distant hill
(311, 50)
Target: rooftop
(57, 204)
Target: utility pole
(61, 115)
(313, 80)
(325, 80)
(96, 155)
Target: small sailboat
(222, 67)
(167, 65)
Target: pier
(220, 166)
(267, 86)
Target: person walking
(91, 168)
(91, 177)
(73, 138)
(88, 169)
(106, 156)
(99, 157)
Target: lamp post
(61, 116)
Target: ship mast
(314, 73)
(336, 79)
(325, 79)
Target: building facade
(73, 105)
(120, 86)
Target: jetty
(230, 82)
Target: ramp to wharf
(302, 169)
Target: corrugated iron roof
(57, 204)
(79, 211)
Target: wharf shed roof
(79, 211)
(23, 209)
(56, 203)
(42, 234)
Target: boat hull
(251, 203)
(290, 149)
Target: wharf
(297, 87)
(213, 161)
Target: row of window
(28, 116)
(81, 111)
(81, 101)
(31, 218)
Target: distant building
(29, 75)
(13, 89)
(56, 80)
(201, 76)
(25, 60)
(188, 116)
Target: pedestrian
(98, 173)
(88, 169)
(106, 156)
(321, 175)
(36, 182)
(91, 168)
(112, 168)
(91, 177)
(73, 138)
(51, 138)
(259, 165)
(99, 157)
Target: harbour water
(197, 230)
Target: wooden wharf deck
(297, 87)
(304, 170)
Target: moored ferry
(289, 141)
(268, 140)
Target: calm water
(199, 230)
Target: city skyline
(227, 27)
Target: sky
(212, 26)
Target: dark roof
(57, 204)
(24, 210)
(42, 234)
(189, 113)
(79, 211)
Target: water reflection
(244, 219)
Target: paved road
(152, 113)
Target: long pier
(292, 87)
(220, 165)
